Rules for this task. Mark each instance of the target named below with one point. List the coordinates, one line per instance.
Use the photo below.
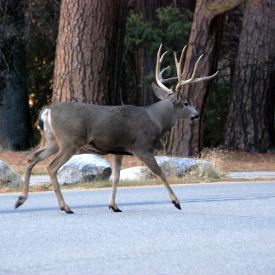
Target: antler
(178, 64)
(193, 79)
(160, 80)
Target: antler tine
(159, 77)
(167, 79)
(193, 78)
(179, 65)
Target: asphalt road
(221, 229)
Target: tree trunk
(86, 63)
(250, 122)
(15, 123)
(186, 136)
(145, 63)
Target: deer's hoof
(70, 212)
(20, 201)
(177, 204)
(67, 209)
(114, 208)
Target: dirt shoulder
(242, 161)
(227, 160)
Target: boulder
(136, 173)
(84, 168)
(177, 167)
(171, 167)
(9, 177)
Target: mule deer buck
(66, 127)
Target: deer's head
(187, 111)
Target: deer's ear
(159, 92)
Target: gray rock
(9, 177)
(177, 167)
(171, 167)
(136, 173)
(84, 168)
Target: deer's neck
(163, 114)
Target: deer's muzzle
(195, 117)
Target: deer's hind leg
(150, 161)
(64, 154)
(48, 148)
(116, 164)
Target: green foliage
(140, 31)
(217, 112)
(172, 30)
(175, 27)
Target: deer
(67, 127)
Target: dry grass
(227, 160)
(222, 161)
(214, 170)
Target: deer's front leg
(150, 161)
(116, 164)
(53, 167)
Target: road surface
(226, 228)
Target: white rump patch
(46, 117)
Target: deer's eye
(185, 104)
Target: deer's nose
(195, 116)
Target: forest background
(104, 52)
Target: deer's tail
(44, 120)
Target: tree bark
(250, 122)
(15, 124)
(145, 63)
(187, 136)
(86, 63)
